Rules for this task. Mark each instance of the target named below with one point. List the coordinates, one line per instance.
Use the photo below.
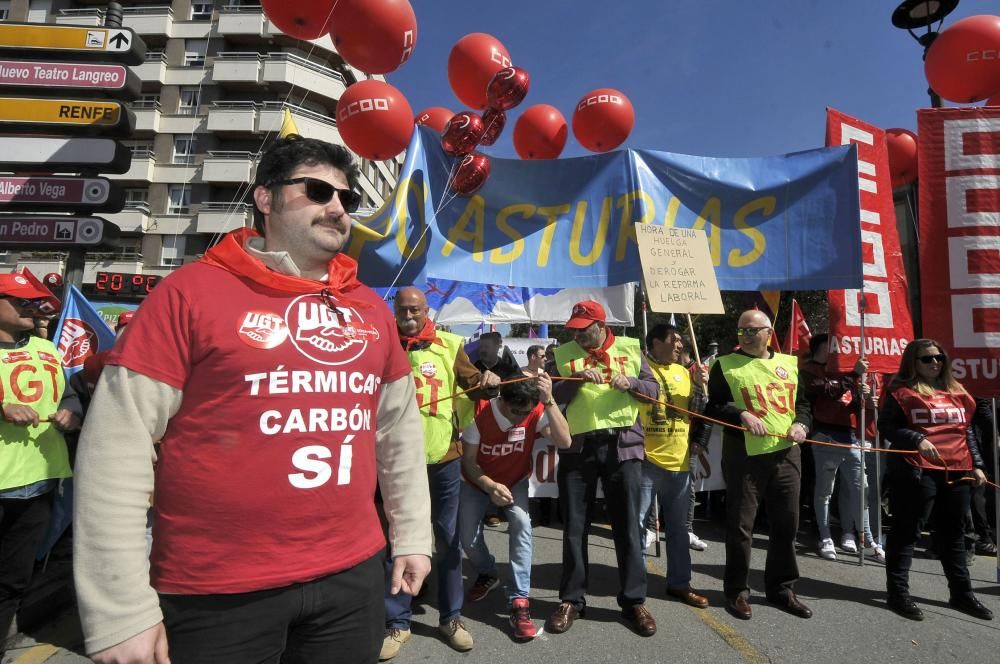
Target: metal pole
(861, 486)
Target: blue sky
(706, 77)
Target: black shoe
(969, 604)
(906, 607)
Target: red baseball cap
(584, 314)
(124, 318)
(15, 284)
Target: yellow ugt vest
(32, 375)
(765, 387)
(601, 406)
(666, 429)
(433, 373)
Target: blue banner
(788, 222)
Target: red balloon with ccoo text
(963, 63)
(473, 61)
(374, 119)
(902, 147)
(603, 119)
(540, 132)
(302, 19)
(471, 174)
(375, 36)
(435, 117)
(462, 133)
(507, 88)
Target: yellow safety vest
(434, 375)
(766, 387)
(667, 430)
(32, 375)
(601, 406)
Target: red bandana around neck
(427, 334)
(601, 354)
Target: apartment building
(215, 84)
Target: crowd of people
(307, 455)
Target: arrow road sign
(24, 230)
(60, 155)
(55, 78)
(65, 116)
(59, 194)
(83, 42)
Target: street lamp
(913, 14)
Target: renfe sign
(959, 162)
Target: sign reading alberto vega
(789, 222)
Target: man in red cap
(603, 416)
(37, 408)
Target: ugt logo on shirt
(325, 334)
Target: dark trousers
(445, 480)
(23, 524)
(577, 478)
(336, 618)
(775, 480)
(913, 493)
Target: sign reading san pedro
(789, 222)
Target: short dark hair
(817, 341)
(491, 336)
(534, 349)
(660, 331)
(522, 393)
(287, 154)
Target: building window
(201, 11)
(190, 101)
(38, 10)
(137, 197)
(184, 150)
(194, 52)
(178, 199)
(4, 10)
(140, 149)
(147, 101)
(172, 251)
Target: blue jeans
(445, 485)
(470, 515)
(672, 488)
(830, 460)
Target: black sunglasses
(749, 331)
(33, 305)
(321, 191)
(927, 359)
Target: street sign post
(65, 116)
(59, 194)
(81, 42)
(48, 232)
(49, 154)
(55, 78)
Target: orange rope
(504, 382)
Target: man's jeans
(830, 460)
(474, 504)
(672, 489)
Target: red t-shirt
(943, 418)
(266, 475)
(504, 448)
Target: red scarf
(230, 255)
(426, 335)
(600, 355)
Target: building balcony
(40, 265)
(182, 123)
(133, 219)
(177, 173)
(147, 115)
(309, 123)
(279, 70)
(85, 16)
(153, 69)
(171, 224)
(188, 75)
(141, 170)
(249, 21)
(223, 217)
(191, 29)
(156, 20)
(228, 166)
(233, 116)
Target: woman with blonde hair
(928, 411)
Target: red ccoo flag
(798, 332)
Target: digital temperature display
(123, 284)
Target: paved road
(851, 623)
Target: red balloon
(962, 64)
(603, 119)
(508, 88)
(540, 132)
(494, 121)
(376, 36)
(435, 117)
(374, 119)
(303, 19)
(53, 280)
(473, 61)
(902, 145)
(462, 133)
(471, 174)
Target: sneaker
(493, 521)
(826, 549)
(457, 636)
(696, 544)
(482, 587)
(392, 642)
(986, 548)
(970, 556)
(649, 539)
(520, 619)
(849, 543)
(879, 553)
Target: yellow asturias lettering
(383, 218)
(670, 216)
(765, 205)
(711, 215)
(576, 235)
(474, 214)
(551, 214)
(497, 255)
(402, 213)
(626, 226)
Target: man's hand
(488, 379)
(149, 647)
(861, 368)
(700, 375)
(752, 423)
(544, 383)
(408, 573)
(65, 420)
(16, 413)
(928, 451)
(980, 476)
(591, 376)
(620, 382)
(501, 495)
(797, 432)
